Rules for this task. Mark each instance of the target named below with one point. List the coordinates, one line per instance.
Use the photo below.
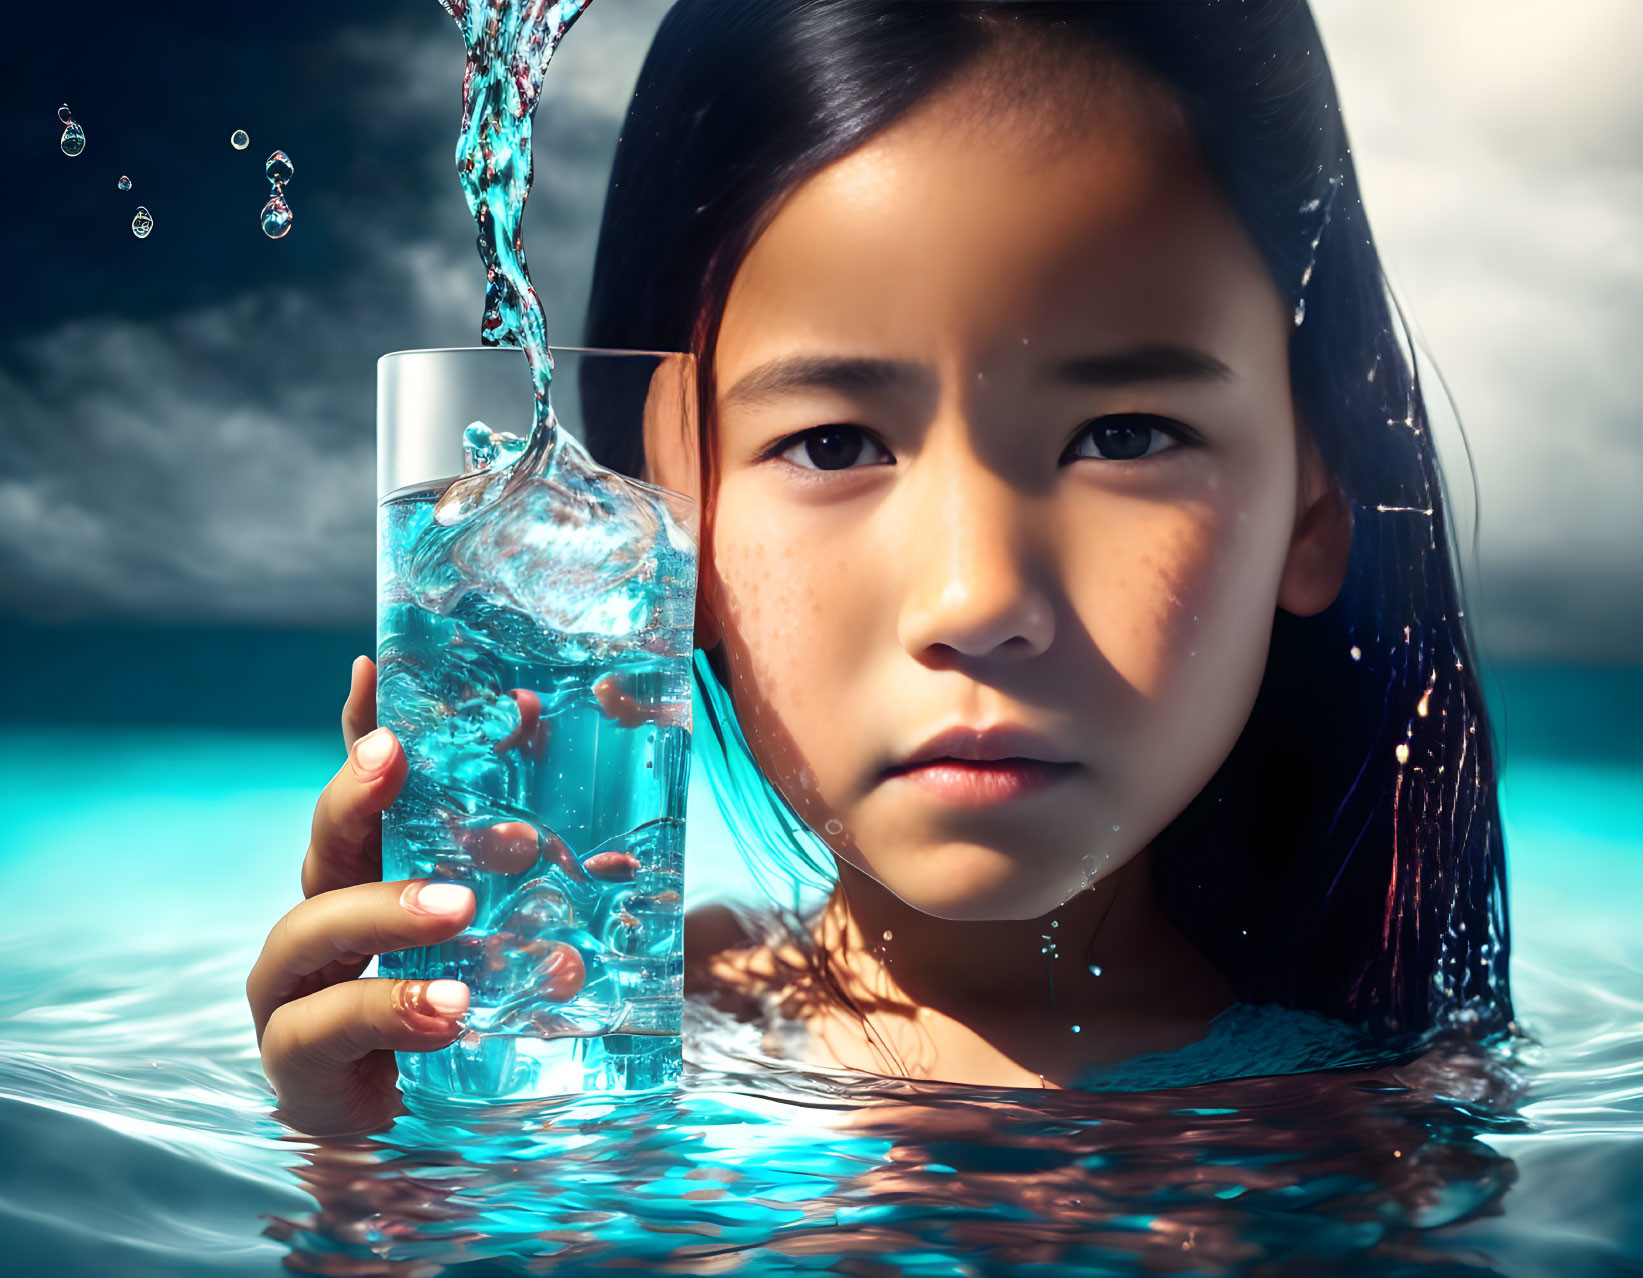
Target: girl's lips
(983, 784)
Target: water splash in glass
(124, 183)
(142, 224)
(239, 139)
(73, 140)
(276, 214)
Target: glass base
(488, 1069)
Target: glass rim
(568, 350)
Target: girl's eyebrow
(826, 372)
(1144, 364)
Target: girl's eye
(833, 448)
(1125, 437)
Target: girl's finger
(318, 1050)
(359, 711)
(345, 926)
(345, 840)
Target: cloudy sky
(186, 422)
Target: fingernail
(448, 998)
(372, 752)
(423, 897)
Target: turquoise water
(139, 878)
(534, 661)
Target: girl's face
(1005, 450)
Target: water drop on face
(278, 167)
(239, 139)
(834, 827)
(276, 218)
(142, 224)
(124, 184)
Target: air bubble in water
(276, 214)
(73, 140)
(124, 184)
(239, 139)
(142, 224)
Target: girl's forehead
(957, 222)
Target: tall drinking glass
(533, 655)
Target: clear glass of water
(534, 661)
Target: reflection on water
(137, 1139)
(760, 1166)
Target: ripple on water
(761, 1165)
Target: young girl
(1076, 591)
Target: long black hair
(1347, 857)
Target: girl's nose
(972, 586)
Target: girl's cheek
(782, 601)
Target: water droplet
(834, 826)
(142, 224)
(1422, 708)
(1055, 923)
(64, 114)
(276, 214)
(1300, 312)
(1077, 1029)
(1402, 752)
(1095, 969)
(276, 217)
(124, 184)
(239, 139)
(889, 935)
(1115, 829)
(1357, 652)
(73, 140)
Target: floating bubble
(239, 139)
(142, 224)
(276, 217)
(73, 140)
(279, 168)
(124, 184)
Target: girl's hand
(327, 1037)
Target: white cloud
(1497, 150)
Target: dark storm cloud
(188, 421)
